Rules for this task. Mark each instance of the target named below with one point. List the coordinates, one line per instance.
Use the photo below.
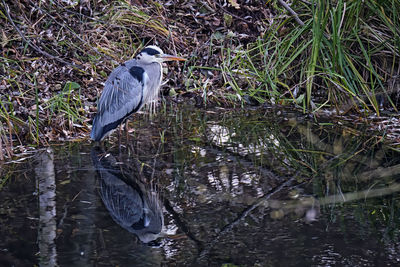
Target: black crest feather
(151, 51)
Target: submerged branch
(243, 215)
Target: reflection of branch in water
(290, 205)
(315, 140)
(243, 215)
(380, 173)
(353, 159)
(46, 186)
(369, 193)
(181, 224)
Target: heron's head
(152, 54)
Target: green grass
(346, 52)
(67, 102)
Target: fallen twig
(65, 25)
(37, 49)
(291, 11)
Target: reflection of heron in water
(131, 204)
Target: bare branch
(36, 48)
(291, 11)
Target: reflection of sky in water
(198, 150)
(168, 245)
(223, 178)
(221, 136)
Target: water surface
(196, 188)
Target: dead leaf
(4, 40)
(234, 4)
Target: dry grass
(55, 57)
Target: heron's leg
(127, 131)
(119, 138)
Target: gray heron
(128, 88)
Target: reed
(343, 57)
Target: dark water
(212, 188)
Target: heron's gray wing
(122, 95)
(122, 201)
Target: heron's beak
(166, 57)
